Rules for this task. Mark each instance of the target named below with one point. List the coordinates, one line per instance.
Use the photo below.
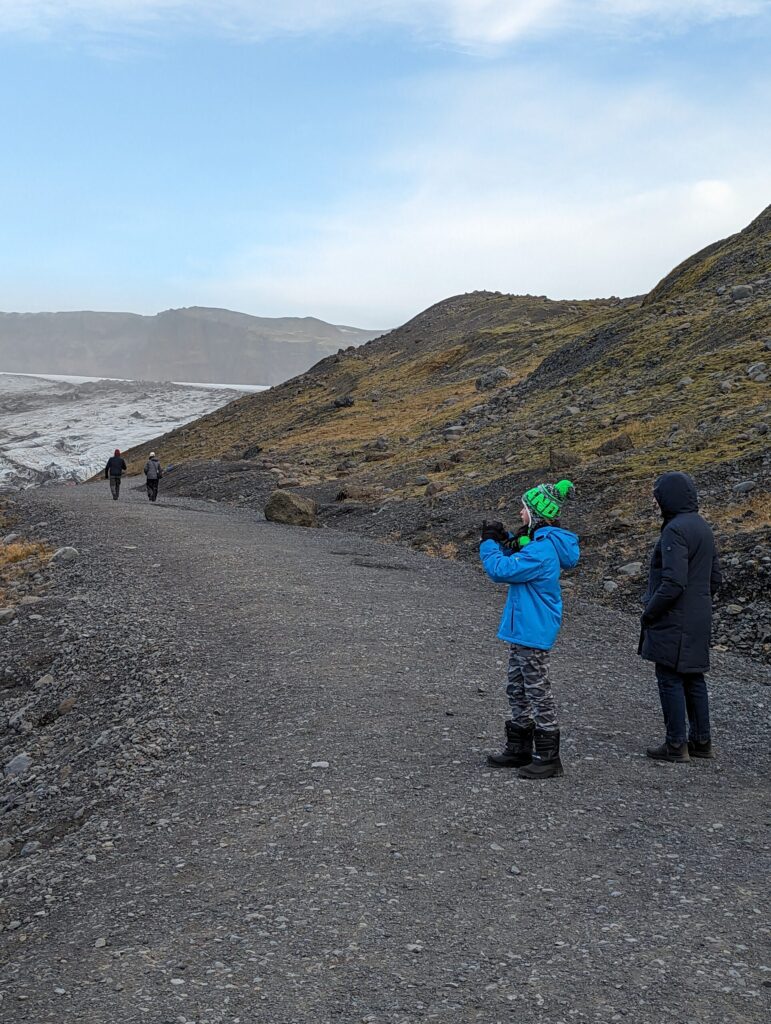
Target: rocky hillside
(419, 434)
(195, 344)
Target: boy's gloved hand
(494, 531)
(516, 542)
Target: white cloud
(515, 189)
(463, 22)
(382, 264)
(497, 21)
(518, 180)
(685, 8)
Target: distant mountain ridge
(196, 343)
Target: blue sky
(359, 161)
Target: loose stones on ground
(65, 554)
(17, 765)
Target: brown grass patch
(755, 502)
(18, 560)
(448, 550)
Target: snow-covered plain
(55, 428)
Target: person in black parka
(677, 621)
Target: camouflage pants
(529, 689)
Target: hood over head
(676, 493)
(564, 542)
(116, 452)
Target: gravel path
(297, 823)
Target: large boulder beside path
(291, 509)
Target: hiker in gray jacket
(153, 474)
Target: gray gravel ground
(270, 802)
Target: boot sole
(507, 764)
(554, 772)
(668, 760)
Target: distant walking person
(115, 468)
(677, 621)
(153, 474)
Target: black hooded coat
(684, 575)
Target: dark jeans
(683, 694)
(152, 489)
(115, 486)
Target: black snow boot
(546, 762)
(518, 750)
(700, 748)
(666, 752)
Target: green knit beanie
(545, 501)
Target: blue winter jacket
(533, 612)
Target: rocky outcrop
(291, 509)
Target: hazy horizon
(174, 309)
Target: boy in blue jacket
(530, 563)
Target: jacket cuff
(489, 541)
